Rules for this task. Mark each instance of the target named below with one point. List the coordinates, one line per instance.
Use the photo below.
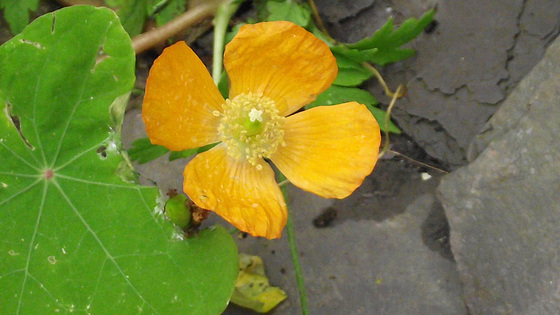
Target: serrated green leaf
(288, 11)
(380, 116)
(351, 76)
(350, 73)
(388, 37)
(353, 54)
(75, 236)
(341, 94)
(387, 42)
(189, 152)
(16, 13)
(144, 151)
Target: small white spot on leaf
(28, 42)
(12, 252)
(52, 259)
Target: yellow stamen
(251, 127)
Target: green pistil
(252, 127)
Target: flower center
(251, 127)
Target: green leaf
(189, 152)
(223, 85)
(153, 6)
(387, 37)
(288, 11)
(169, 10)
(350, 73)
(132, 13)
(144, 151)
(355, 55)
(341, 94)
(16, 13)
(75, 236)
(384, 46)
(380, 115)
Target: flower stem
(293, 250)
(221, 20)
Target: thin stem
(387, 118)
(295, 257)
(418, 162)
(383, 84)
(319, 20)
(284, 182)
(201, 11)
(221, 21)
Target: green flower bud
(177, 210)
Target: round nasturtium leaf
(77, 234)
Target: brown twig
(199, 12)
(418, 162)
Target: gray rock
(504, 207)
(377, 257)
(479, 51)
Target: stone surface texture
(373, 259)
(388, 251)
(504, 207)
(463, 69)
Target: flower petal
(329, 149)
(244, 196)
(180, 100)
(281, 61)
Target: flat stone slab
(504, 207)
(377, 257)
(463, 69)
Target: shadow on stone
(435, 232)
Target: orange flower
(275, 68)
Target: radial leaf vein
(91, 182)
(31, 242)
(21, 191)
(95, 147)
(17, 156)
(100, 243)
(79, 100)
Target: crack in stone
(510, 50)
(356, 14)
